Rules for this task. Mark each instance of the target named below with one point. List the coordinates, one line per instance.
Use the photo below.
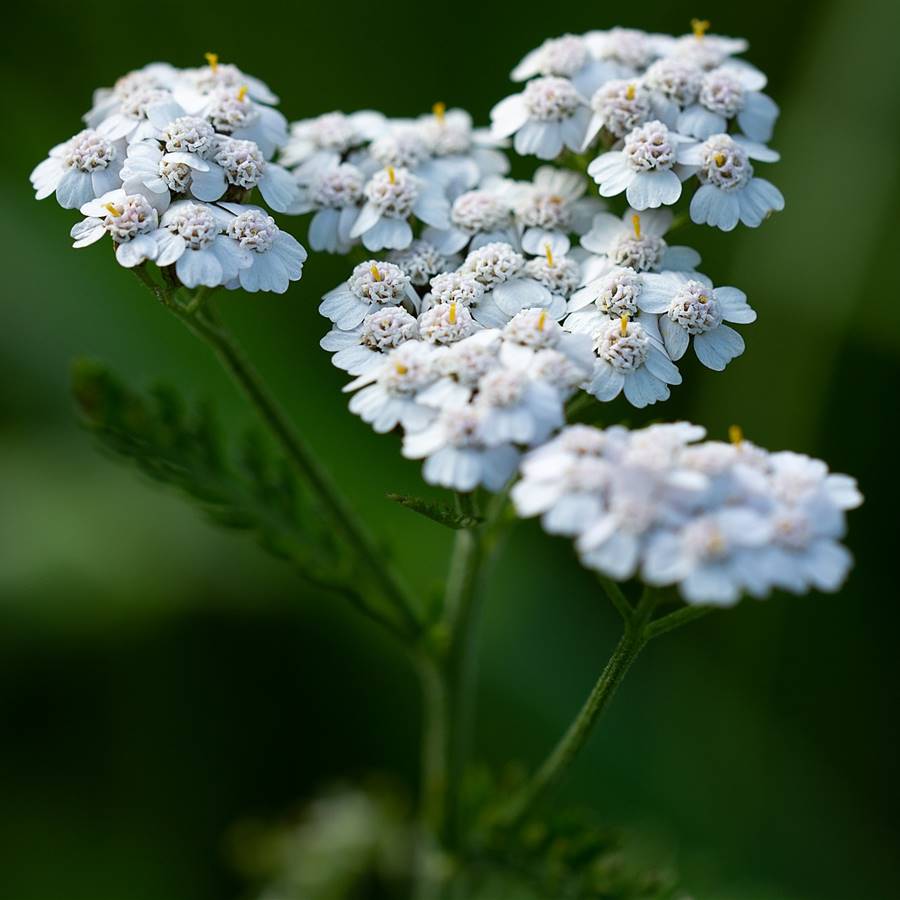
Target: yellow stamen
(542, 320)
(392, 175)
(720, 159)
(400, 369)
(699, 27)
(451, 317)
(623, 325)
(440, 111)
(242, 92)
(736, 435)
(630, 92)
(212, 59)
(703, 298)
(112, 209)
(375, 273)
(548, 251)
(636, 224)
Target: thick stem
(563, 754)
(427, 863)
(461, 615)
(201, 322)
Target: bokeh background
(161, 681)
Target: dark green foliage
(561, 854)
(246, 488)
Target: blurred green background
(161, 681)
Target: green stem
(461, 615)
(344, 518)
(617, 597)
(563, 754)
(427, 863)
(683, 616)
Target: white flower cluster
(662, 110)
(370, 179)
(717, 519)
(165, 166)
(642, 302)
(472, 365)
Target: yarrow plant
(481, 318)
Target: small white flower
(533, 331)
(729, 191)
(107, 101)
(235, 114)
(421, 261)
(547, 116)
(630, 356)
(476, 217)
(245, 168)
(724, 95)
(388, 395)
(194, 86)
(456, 454)
(392, 195)
(630, 48)
(362, 349)
(619, 107)
(636, 240)
(276, 257)
(158, 174)
(203, 254)
(325, 139)
(456, 287)
(674, 82)
(83, 168)
(519, 410)
(372, 285)
(334, 192)
(643, 168)
(129, 219)
(446, 323)
(132, 119)
(693, 307)
(501, 271)
(569, 57)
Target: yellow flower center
(440, 111)
(736, 435)
(451, 317)
(242, 92)
(112, 209)
(375, 273)
(548, 251)
(636, 225)
(623, 325)
(392, 175)
(699, 27)
(212, 59)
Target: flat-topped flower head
(456, 287)
(619, 107)
(630, 357)
(446, 323)
(371, 285)
(642, 168)
(493, 264)
(729, 191)
(79, 170)
(636, 241)
(421, 261)
(547, 116)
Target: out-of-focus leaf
(437, 512)
(246, 488)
